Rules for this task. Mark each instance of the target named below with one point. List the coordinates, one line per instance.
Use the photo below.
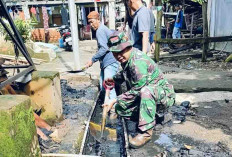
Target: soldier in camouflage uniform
(147, 87)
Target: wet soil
(214, 63)
(78, 97)
(216, 114)
(205, 132)
(95, 145)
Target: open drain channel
(113, 142)
(163, 143)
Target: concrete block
(45, 91)
(17, 127)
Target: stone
(18, 135)
(194, 106)
(45, 91)
(61, 131)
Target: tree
(23, 26)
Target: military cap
(118, 41)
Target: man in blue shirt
(108, 64)
(140, 25)
(178, 22)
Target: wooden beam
(195, 40)
(205, 31)
(158, 31)
(191, 29)
(182, 56)
(60, 2)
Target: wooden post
(158, 30)
(191, 29)
(205, 31)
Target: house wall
(220, 21)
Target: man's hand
(109, 81)
(109, 104)
(89, 64)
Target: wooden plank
(13, 3)
(181, 49)
(181, 56)
(22, 59)
(191, 30)
(195, 40)
(158, 32)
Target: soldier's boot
(113, 114)
(141, 139)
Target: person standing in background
(140, 25)
(178, 22)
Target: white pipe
(74, 31)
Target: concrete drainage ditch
(113, 141)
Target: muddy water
(179, 146)
(176, 145)
(106, 146)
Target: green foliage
(17, 131)
(24, 27)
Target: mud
(188, 139)
(178, 145)
(78, 95)
(215, 63)
(216, 114)
(95, 145)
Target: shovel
(95, 131)
(77, 71)
(108, 88)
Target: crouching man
(147, 87)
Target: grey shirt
(104, 56)
(141, 23)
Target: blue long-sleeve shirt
(104, 56)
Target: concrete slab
(198, 81)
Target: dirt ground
(78, 97)
(215, 61)
(207, 131)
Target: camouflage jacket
(139, 71)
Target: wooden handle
(104, 112)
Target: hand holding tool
(108, 87)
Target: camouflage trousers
(145, 105)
